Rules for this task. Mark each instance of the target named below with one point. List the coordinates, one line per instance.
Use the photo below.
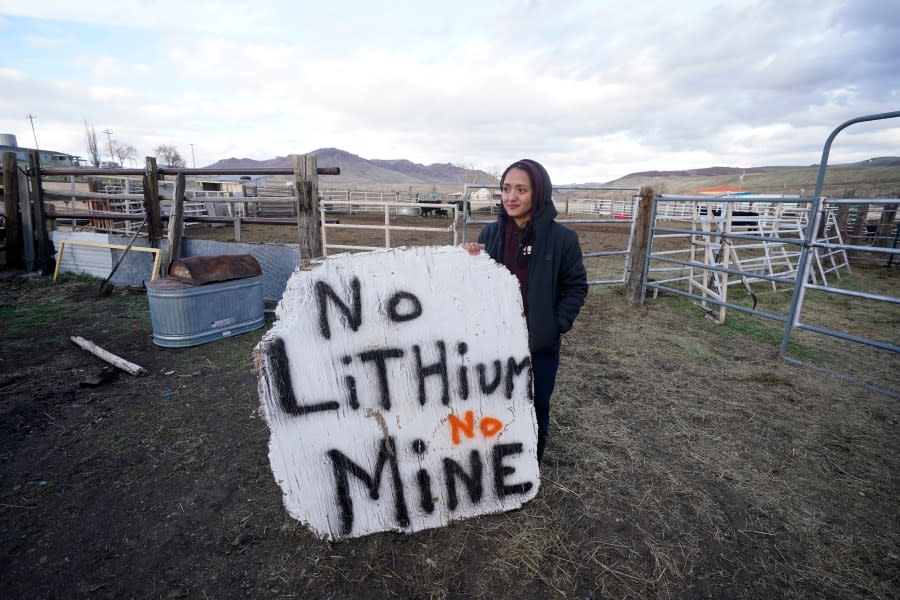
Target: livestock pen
(686, 458)
(800, 244)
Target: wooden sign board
(397, 388)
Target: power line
(193, 160)
(31, 118)
(108, 133)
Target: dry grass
(686, 460)
(674, 470)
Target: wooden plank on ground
(109, 357)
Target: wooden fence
(28, 207)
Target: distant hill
(705, 172)
(358, 170)
(874, 177)
(882, 161)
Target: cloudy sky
(594, 90)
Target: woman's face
(517, 196)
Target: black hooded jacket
(557, 281)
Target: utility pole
(31, 118)
(108, 133)
(193, 160)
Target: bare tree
(124, 152)
(169, 155)
(93, 149)
(470, 172)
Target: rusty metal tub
(186, 314)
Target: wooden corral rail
(28, 212)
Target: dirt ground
(686, 460)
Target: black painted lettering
(379, 357)
(280, 370)
(512, 369)
(343, 467)
(352, 316)
(462, 374)
(439, 368)
(350, 381)
(415, 307)
(488, 388)
(502, 471)
(472, 481)
(426, 499)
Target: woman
(546, 258)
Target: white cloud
(201, 16)
(11, 75)
(595, 90)
(43, 43)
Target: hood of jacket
(543, 212)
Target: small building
(237, 185)
(48, 158)
(484, 195)
(723, 190)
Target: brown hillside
(876, 178)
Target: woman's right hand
(473, 248)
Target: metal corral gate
(802, 283)
(811, 244)
(332, 207)
(622, 215)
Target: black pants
(544, 366)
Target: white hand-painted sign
(397, 387)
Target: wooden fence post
(14, 256)
(842, 218)
(883, 236)
(44, 257)
(858, 231)
(176, 224)
(306, 180)
(639, 247)
(843, 215)
(26, 222)
(151, 202)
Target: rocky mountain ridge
(355, 169)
